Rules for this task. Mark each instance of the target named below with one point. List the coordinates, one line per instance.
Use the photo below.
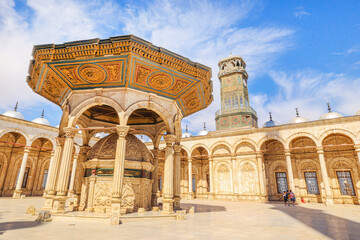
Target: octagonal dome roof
(119, 62)
(135, 150)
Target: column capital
(287, 152)
(76, 155)
(70, 132)
(169, 139)
(122, 131)
(84, 149)
(320, 149)
(357, 147)
(60, 141)
(155, 152)
(189, 159)
(259, 155)
(177, 148)
(211, 158)
(27, 149)
(53, 153)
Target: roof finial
(297, 112)
(329, 108)
(16, 107)
(270, 116)
(42, 114)
(204, 126)
(186, 129)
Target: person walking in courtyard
(285, 197)
(292, 198)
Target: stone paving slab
(212, 220)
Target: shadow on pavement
(4, 226)
(331, 226)
(201, 208)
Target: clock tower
(235, 107)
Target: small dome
(57, 126)
(186, 134)
(298, 119)
(135, 149)
(203, 132)
(14, 114)
(100, 135)
(271, 123)
(330, 115)
(41, 120)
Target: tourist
(285, 197)
(292, 198)
(302, 200)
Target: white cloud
(308, 90)
(203, 31)
(300, 12)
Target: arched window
(235, 101)
(241, 101)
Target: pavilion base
(113, 219)
(17, 194)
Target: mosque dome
(298, 119)
(135, 149)
(330, 114)
(41, 120)
(186, 134)
(270, 123)
(14, 113)
(203, 132)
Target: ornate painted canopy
(123, 61)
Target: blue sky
(298, 53)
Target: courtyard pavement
(212, 220)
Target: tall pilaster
(233, 162)
(63, 177)
(177, 176)
(119, 165)
(357, 150)
(168, 192)
(17, 192)
(154, 175)
(289, 170)
(190, 177)
(328, 192)
(211, 176)
(260, 161)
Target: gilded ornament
(92, 73)
(160, 81)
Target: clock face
(245, 84)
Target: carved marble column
(328, 191)
(289, 170)
(17, 192)
(260, 163)
(73, 171)
(79, 181)
(168, 192)
(63, 177)
(119, 166)
(190, 196)
(177, 176)
(53, 173)
(211, 173)
(154, 175)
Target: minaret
(235, 107)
